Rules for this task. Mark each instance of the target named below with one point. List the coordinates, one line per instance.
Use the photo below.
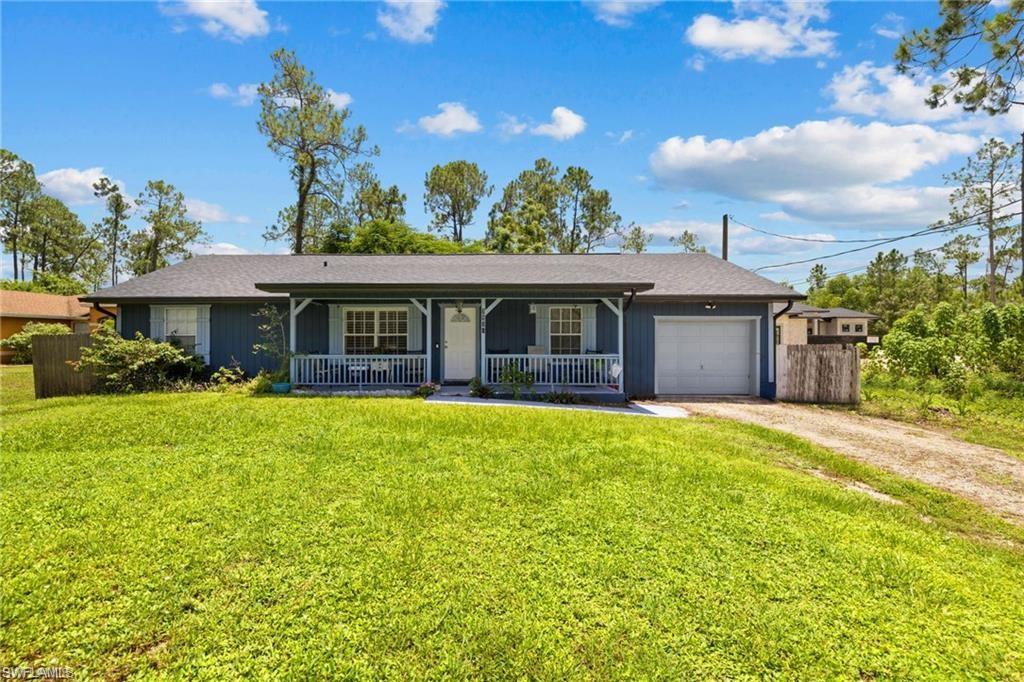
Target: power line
(798, 238)
(938, 229)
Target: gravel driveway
(985, 475)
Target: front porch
(561, 344)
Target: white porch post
(622, 357)
(483, 339)
(291, 338)
(430, 340)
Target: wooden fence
(53, 376)
(818, 374)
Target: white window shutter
(589, 314)
(203, 332)
(156, 322)
(335, 329)
(414, 327)
(543, 327)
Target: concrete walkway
(646, 410)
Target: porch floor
(595, 393)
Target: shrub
(139, 364)
(21, 343)
(479, 389)
(426, 389)
(515, 380)
(226, 378)
(561, 398)
(273, 339)
(262, 383)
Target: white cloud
(833, 170)
(212, 213)
(510, 126)
(776, 215)
(220, 248)
(565, 124)
(697, 62)
(453, 119)
(620, 138)
(74, 186)
(242, 96)
(765, 31)
(340, 100)
(234, 20)
(882, 92)
(891, 26)
(619, 13)
(412, 22)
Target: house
(636, 324)
(801, 324)
(18, 308)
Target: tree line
(341, 206)
(51, 249)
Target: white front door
(460, 339)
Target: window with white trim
(859, 328)
(180, 327)
(846, 328)
(373, 331)
(566, 333)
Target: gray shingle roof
(807, 311)
(690, 275)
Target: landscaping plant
(140, 364)
(515, 380)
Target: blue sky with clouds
(788, 116)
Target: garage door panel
(704, 357)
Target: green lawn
(220, 536)
(991, 418)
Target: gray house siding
(134, 318)
(639, 342)
(510, 328)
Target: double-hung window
(371, 331)
(180, 327)
(566, 335)
(859, 328)
(846, 328)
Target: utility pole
(725, 231)
(1021, 276)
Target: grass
(992, 418)
(219, 536)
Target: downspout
(622, 351)
(775, 346)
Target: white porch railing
(558, 370)
(358, 370)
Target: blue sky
(787, 116)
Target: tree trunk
(14, 254)
(991, 241)
(306, 178)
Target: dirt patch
(985, 475)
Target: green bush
(479, 389)
(21, 343)
(139, 364)
(427, 389)
(561, 398)
(515, 380)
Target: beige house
(803, 324)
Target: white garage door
(700, 357)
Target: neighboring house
(803, 324)
(18, 308)
(640, 325)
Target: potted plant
(273, 344)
